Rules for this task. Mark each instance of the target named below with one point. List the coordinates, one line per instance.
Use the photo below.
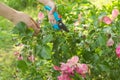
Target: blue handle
(56, 16)
(55, 26)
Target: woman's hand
(22, 17)
(51, 4)
(50, 14)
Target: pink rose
(40, 16)
(82, 69)
(66, 68)
(74, 60)
(64, 77)
(63, 67)
(110, 42)
(106, 20)
(118, 51)
(115, 13)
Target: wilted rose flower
(82, 69)
(115, 13)
(21, 45)
(40, 16)
(16, 53)
(31, 58)
(20, 57)
(118, 51)
(106, 20)
(110, 42)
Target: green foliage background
(52, 47)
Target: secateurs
(58, 19)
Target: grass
(5, 33)
(6, 43)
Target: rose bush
(93, 38)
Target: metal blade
(62, 26)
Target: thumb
(35, 26)
(52, 10)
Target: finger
(54, 21)
(52, 10)
(50, 18)
(35, 26)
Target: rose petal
(40, 16)
(106, 20)
(115, 13)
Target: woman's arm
(7, 12)
(17, 16)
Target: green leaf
(38, 78)
(46, 52)
(102, 15)
(88, 56)
(22, 65)
(104, 67)
(65, 48)
(114, 75)
(20, 28)
(101, 40)
(47, 39)
(30, 32)
(38, 49)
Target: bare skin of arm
(17, 16)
